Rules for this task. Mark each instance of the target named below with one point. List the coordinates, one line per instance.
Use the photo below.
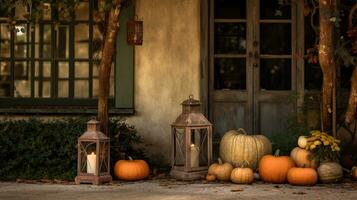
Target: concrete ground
(167, 189)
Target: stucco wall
(166, 68)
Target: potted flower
(325, 150)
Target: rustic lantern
(134, 32)
(191, 142)
(93, 156)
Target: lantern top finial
(191, 101)
(191, 114)
(93, 131)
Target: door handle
(255, 65)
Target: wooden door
(252, 67)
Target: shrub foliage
(38, 149)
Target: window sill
(63, 111)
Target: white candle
(195, 152)
(91, 163)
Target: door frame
(206, 8)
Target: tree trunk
(112, 28)
(352, 102)
(326, 59)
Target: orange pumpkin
(131, 170)
(211, 177)
(301, 158)
(274, 169)
(354, 173)
(302, 176)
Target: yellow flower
(312, 146)
(326, 143)
(317, 143)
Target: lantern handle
(190, 96)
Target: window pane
(21, 12)
(271, 38)
(22, 42)
(5, 40)
(46, 69)
(230, 38)
(81, 88)
(22, 83)
(230, 73)
(81, 41)
(274, 9)
(46, 89)
(97, 43)
(275, 74)
(63, 88)
(63, 42)
(63, 70)
(95, 87)
(230, 9)
(82, 11)
(46, 15)
(81, 70)
(4, 79)
(43, 37)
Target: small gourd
(242, 175)
(221, 170)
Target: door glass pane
(275, 9)
(230, 38)
(230, 9)
(46, 37)
(275, 38)
(229, 73)
(275, 74)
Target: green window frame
(42, 61)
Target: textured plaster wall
(166, 68)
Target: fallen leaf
(237, 190)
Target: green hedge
(38, 149)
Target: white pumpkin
(237, 146)
(302, 142)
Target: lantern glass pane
(199, 151)
(179, 147)
(87, 156)
(104, 157)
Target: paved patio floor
(166, 189)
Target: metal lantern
(134, 32)
(93, 156)
(191, 134)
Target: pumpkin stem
(242, 131)
(220, 161)
(244, 164)
(277, 153)
(130, 158)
